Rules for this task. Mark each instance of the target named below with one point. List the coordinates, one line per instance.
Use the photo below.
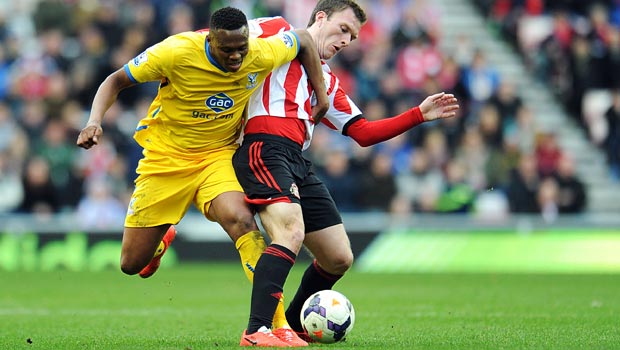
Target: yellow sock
(279, 318)
(160, 249)
(250, 246)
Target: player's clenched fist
(89, 136)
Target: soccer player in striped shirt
(294, 206)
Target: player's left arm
(368, 133)
(309, 58)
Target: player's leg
(284, 224)
(160, 199)
(140, 247)
(327, 241)
(333, 257)
(222, 200)
(267, 169)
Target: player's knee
(339, 263)
(294, 230)
(131, 266)
(239, 223)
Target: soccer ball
(327, 316)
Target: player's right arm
(105, 97)
(367, 133)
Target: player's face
(336, 32)
(229, 47)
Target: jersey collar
(211, 59)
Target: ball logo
(220, 102)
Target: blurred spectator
(523, 186)
(612, 139)
(490, 126)
(457, 196)
(472, 155)
(481, 81)
(377, 186)
(13, 139)
(610, 64)
(5, 73)
(421, 183)
(436, 146)
(385, 11)
(417, 21)
(399, 150)
(547, 197)
(59, 153)
(32, 116)
(339, 179)
(572, 193)
(522, 134)
(548, 153)
(507, 102)
(11, 187)
(99, 208)
(491, 206)
(500, 164)
(368, 75)
(40, 195)
(417, 61)
(450, 75)
(581, 74)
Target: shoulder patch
(141, 58)
(288, 39)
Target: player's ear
(320, 17)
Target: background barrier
(381, 242)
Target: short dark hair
(228, 18)
(331, 6)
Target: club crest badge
(294, 190)
(251, 80)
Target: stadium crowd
(491, 158)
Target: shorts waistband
(272, 139)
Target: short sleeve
(152, 64)
(278, 49)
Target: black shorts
(272, 169)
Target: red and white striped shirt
(282, 105)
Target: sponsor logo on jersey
(251, 80)
(219, 103)
(207, 116)
(287, 38)
(141, 58)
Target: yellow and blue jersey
(200, 106)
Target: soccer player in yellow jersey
(189, 134)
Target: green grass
(206, 307)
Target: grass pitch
(191, 307)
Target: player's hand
(89, 136)
(321, 108)
(439, 106)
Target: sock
(270, 274)
(160, 249)
(313, 280)
(250, 246)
